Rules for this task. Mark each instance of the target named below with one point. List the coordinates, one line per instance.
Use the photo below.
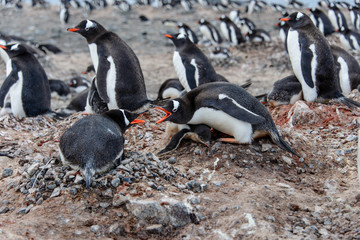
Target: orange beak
(137, 121)
(284, 19)
(168, 36)
(3, 47)
(70, 84)
(73, 29)
(168, 114)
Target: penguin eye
(174, 109)
(87, 29)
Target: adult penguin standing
(119, 78)
(312, 61)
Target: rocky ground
(222, 192)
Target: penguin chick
(119, 78)
(258, 35)
(285, 91)
(58, 86)
(191, 65)
(79, 83)
(227, 108)
(95, 143)
(26, 84)
(220, 53)
(77, 103)
(198, 133)
(171, 88)
(312, 61)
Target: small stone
(323, 232)
(218, 183)
(115, 182)
(116, 229)
(119, 200)
(104, 205)
(194, 186)
(108, 193)
(95, 228)
(73, 190)
(152, 185)
(340, 152)
(172, 160)
(33, 168)
(287, 159)
(266, 147)
(271, 218)
(4, 210)
(351, 138)
(55, 193)
(197, 151)
(194, 200)
(154, 229)
(78, 179)
(7, 172)
(238, 175)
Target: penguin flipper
(5, 87)
(101, 75)
(306, 58)
(190, 74)
(95, 101)
(234, 109)
(175, 141)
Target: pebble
(351, 138)
(172, 160)
(7, 172)
(115, 182)
(4, 210)
(104, 205)
(55, 193)
(266, 147)
(78, 179)
(154, 229)
(119, 200)
(95, 228)
(340, 152)
(218, 183)
(108, 193)
(287, 159)
(33, 168)
(116, 229)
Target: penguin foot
(229, 140)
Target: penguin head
(175, 111)
(224, 18)
(123, 118)
(89, 29)
(297, 20)
(180, 40)
(14, 50)
(202, 21)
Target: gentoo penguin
(185, 29)
(336, 17)
(123, 5)
(285, 91)
(234, 14)
(295, 4)
(209, 32)
(245, 25)
(105, 132)
(119, 78)
(59, 86)
(77, 103)
(79, 83)
(278, 7)
(349, 39)
(312, 61)
(227, 108)
(258, 35)
(321, 21)
(342, 4)
(230, 31)
(191, 65)
(348, 67)
(283, 32)
(220, 53)
(355, 16)
(26, 84)
(187, 5)
(64, 12)
(89, 69)
(198, 133)
(170, 88)
(357, 3)
(46, 48)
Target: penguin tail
(281, 143)
(348, 102)
(57, 115)
(89, 173)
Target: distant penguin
(234, 14)
(285, 91)
(191, 65)
(355, 16)
(321, 21)
(357, 3)
(59, 87)
(94, 103)
(348, 66)
(105, 133)
(209, 32)
(227, 108)
(323, 3)
(123, 5)
(245, 25)
(198, 133)
(89, 69)
(77, 103)
(79, 83)
(46, 48)
(312, 61)
(258, 35)
(26, 85)
(185, 29)
(170, 88)
(283, 32)
(278, 7)
(349, 39)
(295, 4)
(230, 31)
(119, 78)
(220, 53)
(64, 13)
(187, 5)
(336, 17)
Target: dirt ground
(255, 191)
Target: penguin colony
(196, 102)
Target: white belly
(94, 55)
(242, 131)
(355, 42)
(344, 42)
(333, 19)
(206, 33)
(110, 85)
(224, 31)
(180, 70)
(344, 76)
(15, 93)
(171, 93)
(310, 94)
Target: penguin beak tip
(2, 46)
(73, 29)
(168, 36)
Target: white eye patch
(176, 105)
(14, 47)
(89, 24)
(181, 36)
(299, 15)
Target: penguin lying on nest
(227, 108)
(95, 143)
